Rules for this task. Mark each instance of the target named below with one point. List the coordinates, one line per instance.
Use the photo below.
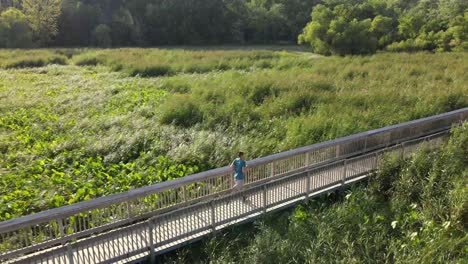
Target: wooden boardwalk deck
(179, 228)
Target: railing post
(307, 187)
(184, 194)
(403, 149)
(129, 209)
(337, 151)
(151, 241)
(70, 253)
(365, 144)
(61, 228)
(307, 160)
(272, 169)
(213, 217)
(343, 179)
(265, 199)
(402, 152)
(69, 246)
(376, 160)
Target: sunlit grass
(92, 126)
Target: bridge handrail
(337, 148)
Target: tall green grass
(412, 211)
(13, 59)
(161, 62)
(95, 130)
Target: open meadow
(76, 124)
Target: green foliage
(181, 110)
(14, 29)
(43, 17)
(102, 34)
(328, 33)
(160, 62)
(338, 27)
(95, 129)
(12, 59)
(161, 22)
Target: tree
(382, 28)
(102, 36)
(15, 31)
(124, 31)
(337, 31)
(315, 32)
(43, 18)
(77, 22)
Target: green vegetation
(412, 211)
(157, 22)
(363, 26)
(11, 59)
(106, 121)
(335, 26)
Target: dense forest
(328, 26)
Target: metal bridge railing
(67, 224)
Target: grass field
(79, 123)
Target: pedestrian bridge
(142, 223)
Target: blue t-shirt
(238, 165)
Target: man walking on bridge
(238, 166)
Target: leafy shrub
(87, 59)
(176, 86)
(102, 35)
(181, 110)
(26, 63)
(151, 71)
(35, 62)
(259, 92)
(58, 60)
(409, 45)
(453, 101)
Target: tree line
(364, 26)
(106, 23)
(328, 26)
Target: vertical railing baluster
(151, 241)
(345, 165)
(70, 253)
(272, 169)
(213, 217)
(307, 194)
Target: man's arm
(244, 168)
(232, 166)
